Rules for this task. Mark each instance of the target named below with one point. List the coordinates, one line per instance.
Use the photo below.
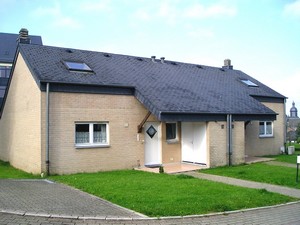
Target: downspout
(47, 130)
(285, 123)
(229, 138)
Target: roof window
(249, 83)
(78, 66)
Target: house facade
(8, 47)
(69, 111)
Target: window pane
(261, 128)
(5, 71)
(171, 131)
(82, 133)
(99, 133)
(269, 129)
(79, 66)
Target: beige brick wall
(217, 151)
(171, 152)
(256, 146)
(217, 143)
(20, 127)
(238, 143)
(123, 113)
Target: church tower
(294, 111)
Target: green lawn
(161, 194)
(297, 146)
(169, 195)
(7, 171)
(260, 172)
(286, 158)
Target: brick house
(8, 47)
(69, 110)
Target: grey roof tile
(8, 45)
(161, 87)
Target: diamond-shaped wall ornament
(151, 131)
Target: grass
(169, 195)
(297, 145)
(286, 158)
(7, 171)
(259, 172)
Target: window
(2, 91)
(171, 131)
(91, 134)
(5, 71)
(78, 66)
(266, 129)
(249, 83)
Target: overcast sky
(261, 37)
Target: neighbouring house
(70, 110)
(292, 123)
(8, 47)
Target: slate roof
(8, 45)
(170, 88)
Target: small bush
(161, 169)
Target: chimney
(227, 64)
(153, 58)
(23, 36)
(162, 59)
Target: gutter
(229, 138)
(47, 129)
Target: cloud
(215, 10)
(169, 12)
(142, 14)
(56, 17)
(174, 12)
(95, 5)
(200, 33)
(292, 8)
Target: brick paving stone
(35, 197)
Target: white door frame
(153, 146)
(193, 142)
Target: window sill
(173, 141)
(266, 136)
(92, 146)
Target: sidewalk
(249, 184)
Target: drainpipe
(47, 129)
(229, 138)
(285, 124)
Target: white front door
(194, 142)
(152, 143)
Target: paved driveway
(42, 197)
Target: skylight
(78, 66)
(249, 83)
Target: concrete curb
(103, 218)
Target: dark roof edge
(9, 80)
(197, 117)
(269, 99)
(146, 103)
(87, 88)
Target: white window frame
(91, 143)
(176, 130)
(265, 134)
